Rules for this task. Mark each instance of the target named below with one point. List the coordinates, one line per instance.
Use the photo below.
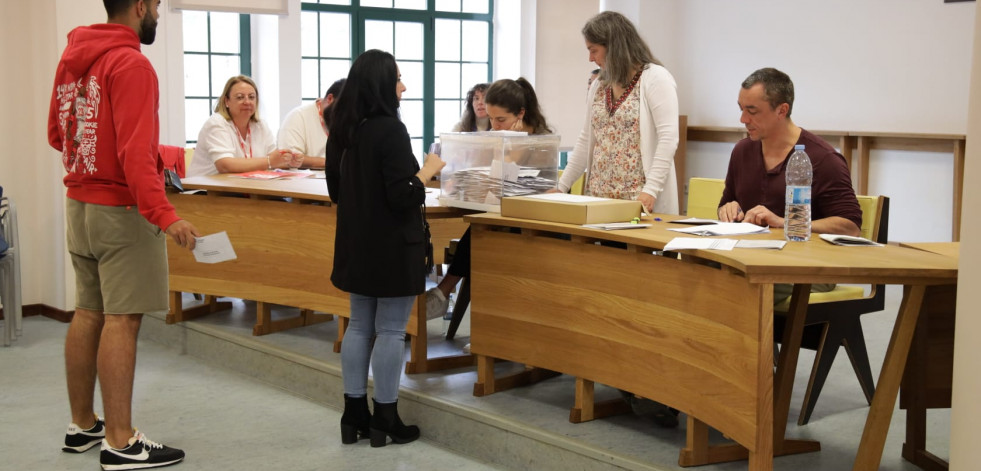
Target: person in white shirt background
(235, 139)
(304, 130)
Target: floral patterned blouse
(616, 170)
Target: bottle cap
(798, 146)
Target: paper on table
(761, 244)
(682, 243)
(724, 228)
(610, 226)
(839, 239)
(695, 221)
(213, 248)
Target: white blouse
(219, 139)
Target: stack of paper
(476, 183)
(724, 228)
(682, 243)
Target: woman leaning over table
(380, 245)
(512, 105)
(234, 139)
(630, 134)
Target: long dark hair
(625, 49)
(369, 91)
(515, 95)
(469, 121)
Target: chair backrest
(875, 217)
(8, 224)
(704, 195)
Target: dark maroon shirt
(749, 183)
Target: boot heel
(349, 434)
(378, 438)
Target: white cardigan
(658, 138)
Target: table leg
(880, 412)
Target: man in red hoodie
(103, 118)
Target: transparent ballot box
(483, 167)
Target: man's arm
(835, 225)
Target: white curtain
(268, 7)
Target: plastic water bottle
(797, 212)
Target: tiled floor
(234, 401)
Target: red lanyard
(241, 141)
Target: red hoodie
(103, 119)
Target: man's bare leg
(81, 350)
(117, 364)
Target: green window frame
(449, 100)
(208, 58)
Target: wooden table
(928, 380)
(283, 234)
(693, 336)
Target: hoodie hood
(87, 43)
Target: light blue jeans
(382, 320)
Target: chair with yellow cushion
(834, 318)
(703, 197)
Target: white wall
(873, 65)
(964, 451)
(562, 53)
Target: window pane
(196, 75)
(335, 35)
(411, 111)
(413, 79)
(377, 3)
(331, 71)
(409, 41)
(448, 80)
(447, 5)
(447, 40)
(410, 4)
(225, 32)
(472, 74)
(417, 150)
(196, 112)
(378, 35)
(335, 2)
(309, 79)
(308, 34)
(476, 6)
(222, 69)
(195, 31)
(475, 41)
(447, 114)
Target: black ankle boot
(356, 421)
(387, 423)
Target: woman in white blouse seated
(234, 139)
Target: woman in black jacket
(380, 244)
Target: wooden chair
(832, 317)
(704, 195)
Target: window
(216, 47)
(443, 47)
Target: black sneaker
(79, 441)
(141, 453)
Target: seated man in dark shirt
(756, 179)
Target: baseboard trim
(44, 310)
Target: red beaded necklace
(612, 107)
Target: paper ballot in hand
(213, 248)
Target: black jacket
(380, 246)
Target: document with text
(213, 248)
